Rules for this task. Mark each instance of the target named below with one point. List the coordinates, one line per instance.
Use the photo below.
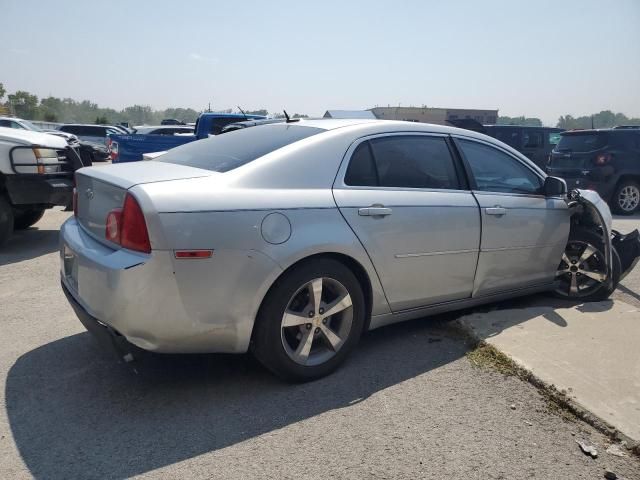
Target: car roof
(617, 131)
(497, 125)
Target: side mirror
(554, 187)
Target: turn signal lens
(112, 228)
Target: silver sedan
(292, 239)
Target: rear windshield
(582, 142)
(234, 149)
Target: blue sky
(535, 58)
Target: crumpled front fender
(596, 209)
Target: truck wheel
(626, 198)
(25, 218)
(6, 220)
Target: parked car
(22, 124)
(171, 121)
(251, 123)
(535, 143)
(36, 173)
(163, 130)
(607, 161)
(91, 133)
(291, 239)
(130, 148)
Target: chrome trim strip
(428, 254)
(502, 249)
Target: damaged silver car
(290, 240)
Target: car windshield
(31, 126)
(582, 142)
(234, 149)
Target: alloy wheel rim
(629, 198)
(317, 321)
(582, 270)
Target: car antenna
(242, 111)
(289, 119)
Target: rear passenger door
(523, 232)
(405, 198)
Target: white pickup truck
(36, 173)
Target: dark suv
(607, 161)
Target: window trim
(461, 175)
(471, 178)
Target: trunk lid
(102, 189)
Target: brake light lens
(602, 159)
(127, 227)
(113, 150)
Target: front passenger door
(523, 232)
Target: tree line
(52, 109)
(25, 105)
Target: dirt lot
(409, 404)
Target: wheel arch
(351, 263)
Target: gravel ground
(408, 404)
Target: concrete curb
(550, 391)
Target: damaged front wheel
(582, 273)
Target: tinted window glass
(495, 171)
(414, 162)
(582, 142)
(217, 124)
(234, 149)
(510, 136)
(554, 138)
(361, 170)
(532, 139)
(70, 129)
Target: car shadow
(523, 309)
(75, 413)
(28, 244)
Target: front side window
(404, 162)
(496, 171)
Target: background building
(348, 114)
(438, 116)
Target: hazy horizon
(541, 59)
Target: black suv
(607, 161)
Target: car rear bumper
(159, 303)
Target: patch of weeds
(487, 356)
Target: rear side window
(403, 161)
(225, 152)
(554, 138)
(582, 142)
(217, 124)
(510, 136)
(495, 171)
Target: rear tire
(25, 218)
(581, 270)
(626, 198)
(6, 220)
(296, 336)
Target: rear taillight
(602, 159)
(113, 150)
(126, 226)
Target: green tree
(101, 120)
(23, 104)
(2, 91)
(50, 117)
(262, 111)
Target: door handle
(374, 211)
(497, 210)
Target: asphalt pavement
(408, 404)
